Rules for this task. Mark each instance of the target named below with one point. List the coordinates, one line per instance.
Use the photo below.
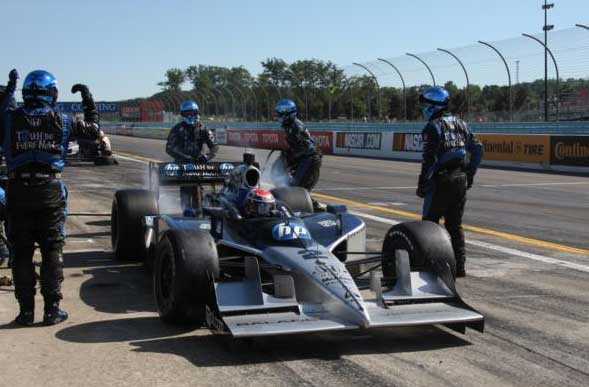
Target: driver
(258, 203)
(186, 144)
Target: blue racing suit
(302, 155)
(446, 175)
(35, 141)
(185, 145)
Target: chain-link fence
(488, 81)
(505, 79)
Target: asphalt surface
(528, 271)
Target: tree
(174, 79)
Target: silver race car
(297, 271)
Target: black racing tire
(297, 199)
(129, 207)
(186, 264)
(427, 243)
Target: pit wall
(567, 153)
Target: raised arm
(89, 127)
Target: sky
(122, 48)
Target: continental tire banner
(407, 142)
(517, 148)
(359, 140)
(273, 139)
(570, 150)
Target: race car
(295, 272)
(98, 150)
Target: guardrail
(561, 127)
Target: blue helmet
(40, 86)
(286, 109)
(189, 112)
(434, 99)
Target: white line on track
(360, 188)
(534, 184)
(547, 184)
(119, 156)
(491, 246)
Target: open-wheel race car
(98, 150)
(295, 271)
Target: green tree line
(322, 91)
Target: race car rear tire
(297, 199)
(427, 243)
(186, 265)
(129, 207)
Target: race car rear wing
(172, 173)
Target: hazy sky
(122, 48)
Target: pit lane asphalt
(537, 313)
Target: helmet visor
(189, 113)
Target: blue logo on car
(290, 231)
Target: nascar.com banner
(273, 139)
(359, 140)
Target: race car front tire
(427, 243)
(185, 269)
(129, 207)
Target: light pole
(426, 66)
(404, 87)
(508, 76)
(465, 74)
(377, 86)
(546, 80)
(546, 28)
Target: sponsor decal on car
(172, 169)
(226, 168)
(290, 231)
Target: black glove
(12, 78)
(202, 159)
(469, 178)
(83, 89)
(423, 187)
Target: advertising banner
(220, 136)
(76, 107)
(273, 139)
(570, 150)
(407, 142)
(359, 140)
(517, 148)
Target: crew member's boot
(26, 317)
(54, 314)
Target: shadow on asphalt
(120, 330)
(113, 287)
(149, 334)
(96, 234)
(99, 223)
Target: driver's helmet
(258, 202)
(189, 112)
